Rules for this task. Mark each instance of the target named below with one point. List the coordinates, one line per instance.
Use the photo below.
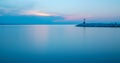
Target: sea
(59, 44)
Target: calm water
(58, 44)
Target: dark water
(58, 44)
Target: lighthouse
(84, 21)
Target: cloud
(10, 11)
(72, 17)
(3, 10)
(15, 16)
(29, 19)
(35, 13)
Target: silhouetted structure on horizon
(84, 24)
(84, 21)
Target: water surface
(59, 44)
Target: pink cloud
(36, 13)
(76, 17)
(71, 17)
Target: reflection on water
(59, 43)
(38, 36)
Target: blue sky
(69, 9)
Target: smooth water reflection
(59, 43)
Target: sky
(70, 10)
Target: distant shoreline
(98, 25)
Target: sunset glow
(36, 13)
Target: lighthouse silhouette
(84, 21)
